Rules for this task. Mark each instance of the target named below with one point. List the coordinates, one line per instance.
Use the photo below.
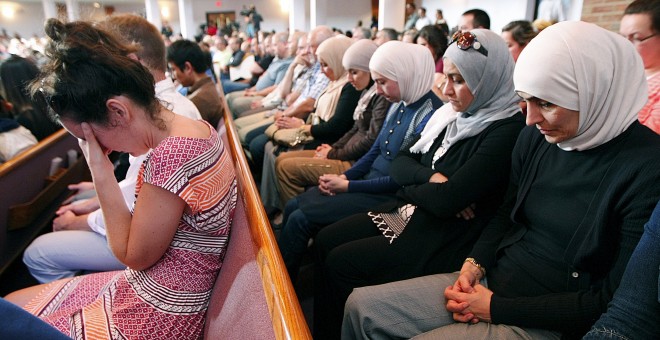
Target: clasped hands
(286, 122)
(467, 299)
(322, 151)
(331, 184)
(73, 214)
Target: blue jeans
(233, 86)
(62, 254)
(634, 312)
(257, 146)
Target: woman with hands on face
(584, 181)
(175, 214)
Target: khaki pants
(248, 123)
(296, 170)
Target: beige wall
(604, 13)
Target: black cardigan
(341, 121)
(600, 248)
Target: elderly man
(307, 99)
(283, 47)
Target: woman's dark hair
(650, 7)
(16, 74)
(86, 67)
(522, 31)
(436, 38)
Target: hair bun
(54, 29)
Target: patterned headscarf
(490, 80)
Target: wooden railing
(278, 296)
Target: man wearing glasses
(640, 24)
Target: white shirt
(171, 99)
(423, 21)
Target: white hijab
(410, 65)
(490, 79)
(583, 67)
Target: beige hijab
(331, 52)
(583, 67)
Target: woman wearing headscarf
(331, 119)
(584, 181)
(423, 232)
(297, 169)
(403, 74)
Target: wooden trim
(30, 153)
(285, 311)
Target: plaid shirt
(315, 85)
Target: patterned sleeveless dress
(169, 299)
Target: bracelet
(473, 262)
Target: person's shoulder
(515, 123)
(639, 138)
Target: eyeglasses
(465, 40)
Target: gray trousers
(416, 308)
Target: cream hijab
(410, 65)
(583, 67)
(357, 57)
(359, 54)
(490, 79)
(331, 51)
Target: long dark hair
(17, 73)
(436, 38)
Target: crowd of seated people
(400, 164)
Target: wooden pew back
(33, 197)
(253, 297)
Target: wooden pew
(253, 297)
(29, 197)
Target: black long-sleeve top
(559, 269)
(477, 168)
